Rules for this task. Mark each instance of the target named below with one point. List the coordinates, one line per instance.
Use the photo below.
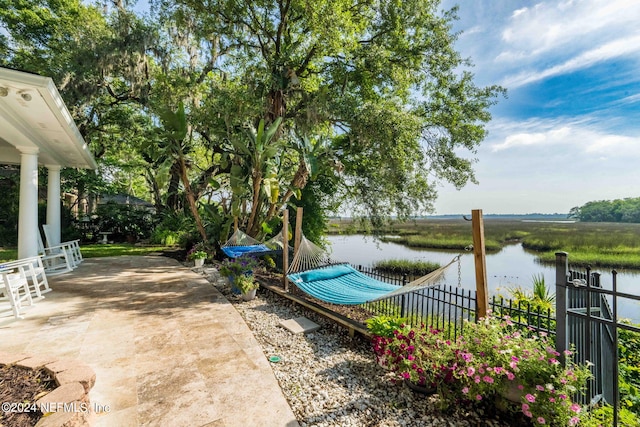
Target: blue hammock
(236, 251)
(340, 284)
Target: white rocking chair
(72, 246)
(14, 289)
(34, 270)
(55, 259)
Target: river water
(511, 267)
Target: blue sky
(569, 131)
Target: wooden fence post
(285, 249)
(235, 224)
(479, 255)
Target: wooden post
(298, 234)
(285, 249)
(479, 256)
(235, 224)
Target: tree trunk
(191, 199)
(255, 204)
(173, 201)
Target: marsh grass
(408, 267)
(609, 245)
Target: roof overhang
(33, 116)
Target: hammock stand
(342, 284)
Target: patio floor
(166, 346)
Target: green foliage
(250, 102)
(603, 416)
(125, 221)
(174, 228)
(245, 283)
(9, 213)
(383, 326)
(619, 210)
(409, 267)
(629, 369)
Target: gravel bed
(331, 379)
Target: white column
(28, 209)
(53, 203)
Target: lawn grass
(98, 251)
(609, 245)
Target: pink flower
(488, 379)
(477, 379)
(574, 421)
(465, 390)
(478, 397)
(541, 420)
(554, 361)
(575, 408)
(528, 414)
(530, 398)
(513, 365)
(552, 399)
(539, 388)
(470, 371)
(510, 376)
(525, 407)
(520, 387)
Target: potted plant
(247, 286)
(197, 254)
(233, 268)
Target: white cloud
(571, 25)
(616, 48)
(579, 136)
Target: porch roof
(34, 116)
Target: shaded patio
(166, 346)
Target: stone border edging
(69, 403)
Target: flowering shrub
(238, 266)
(492, 359)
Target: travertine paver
(167, 348)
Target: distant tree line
(620, 210)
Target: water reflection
(509, 268)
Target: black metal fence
(447, 307)
(589, 323)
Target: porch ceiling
(33, 115)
